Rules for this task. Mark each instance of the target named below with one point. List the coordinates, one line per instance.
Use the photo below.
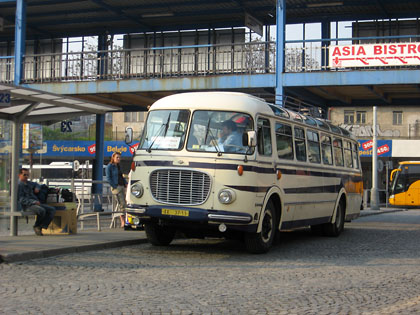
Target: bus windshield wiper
(213, 139)
(163, 127)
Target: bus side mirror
(392, 174)
(249, 139)
(128, 135)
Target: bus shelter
(24, 105)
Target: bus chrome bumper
(189, 214)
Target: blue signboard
(384, 148)
(66, 148)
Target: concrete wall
(410, 128)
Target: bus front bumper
(174, 213)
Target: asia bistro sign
(374, 55)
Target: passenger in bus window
(230, 140)
(28, 201)
(117, 182)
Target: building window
(349, 117)
(132, 117)
(397, 118)
(361, 117)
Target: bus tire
(335, 229)
(259, 243)
(158, 235)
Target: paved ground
(372, 268)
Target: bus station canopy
(35, 106)
(23, 105)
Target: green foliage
(56, 134)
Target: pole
(374, 197)
(14, 176)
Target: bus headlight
(137, 190)
(226, 196)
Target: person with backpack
(27, 200)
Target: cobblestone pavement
(372, 268)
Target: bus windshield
(403, 179)
(165, 130)
(219, 131)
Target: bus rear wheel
(259, 243)
(335, 229)
(159, 235)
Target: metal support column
(16, 141)
(98, 163)
(280, 38)
(374, 196)
(20, 37)
(325, 33)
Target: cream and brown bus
(231, 165)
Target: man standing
(28, 201)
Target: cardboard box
(65, 219)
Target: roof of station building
(67, 18)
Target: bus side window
(313, 147)
(300, 146)
(284, 141)
(355, 156)
(347, 154)
(338, 152)
(326, 149)
(264, 137)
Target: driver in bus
(230, 139)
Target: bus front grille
(181, 187)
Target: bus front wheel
(159, 235)
(258, 243)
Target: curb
(15, 257)
(376, 212)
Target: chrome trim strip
(228, 217)
(307, 202)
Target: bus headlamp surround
(226, 196)
(137, 190)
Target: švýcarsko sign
(374, 55)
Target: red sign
(374, 55)
(92, 149)
(133, 148)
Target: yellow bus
(405, 185)
(232, 165)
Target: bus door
(413, 185)
(266, 178)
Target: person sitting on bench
(28, 201)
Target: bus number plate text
(180, 213)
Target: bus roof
(236, 101)
(409, 162)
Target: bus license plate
(176, 212)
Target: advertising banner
(384, 148)
(374, 55)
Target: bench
(62, 215)
(18, 214)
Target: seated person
(28, 201)
(230, 139)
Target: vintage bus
(231, 165)
(405, 185)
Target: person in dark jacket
(117, 182)
(29, 201)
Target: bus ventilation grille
(180, 187)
